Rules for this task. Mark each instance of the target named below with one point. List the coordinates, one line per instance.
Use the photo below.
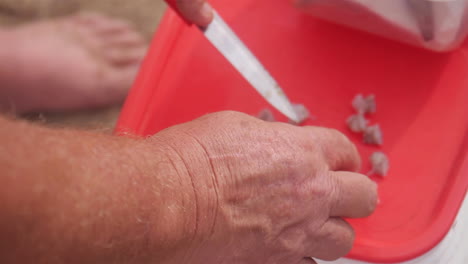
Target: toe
(112, 27)
(113, 40)
(102, 24)
(126, 39)
(123, 56)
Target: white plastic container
(439, 25)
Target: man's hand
(196, 11)
(226, 188)
(268, 192)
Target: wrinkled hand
(269, 192)
(196, 11)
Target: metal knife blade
(232, 48)
(235, 51)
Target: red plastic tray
(422, 107)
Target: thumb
(196, 11)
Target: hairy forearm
(78, 197)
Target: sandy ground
(145, 14)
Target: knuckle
(218, 115)
(324, 187)
(341, 139)
(334, 192)
(226, 117)
(226, 114)
(335, 132)
(323, 135)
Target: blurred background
(144, 14)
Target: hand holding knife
(235, 51)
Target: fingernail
(206, 12)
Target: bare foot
(77, 62)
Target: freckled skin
(225, 188)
